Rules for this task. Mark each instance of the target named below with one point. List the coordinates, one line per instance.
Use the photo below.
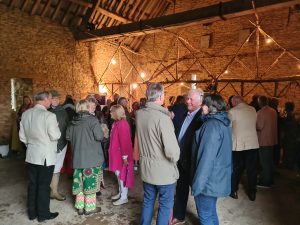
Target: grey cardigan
(85, 135)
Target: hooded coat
(85, 134)
(211, 157)
(158, 147)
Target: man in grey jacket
(159, 153)
(39, 131)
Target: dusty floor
(277, 206)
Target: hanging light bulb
(142, 75)
(226, 71)
(181, 83)
(113, 61)
(134, 85)
(268, 41)
(102, 89)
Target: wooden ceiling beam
(35, 7)
(11, 4)
(225, 80)
(46, 7)
(113, 15)
(82, 3)
(64, 19)
(24, 5)
(209, 14)
(89, 15)
(57, 9)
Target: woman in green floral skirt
(85, 135)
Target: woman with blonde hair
(120, 154)
(85, 135)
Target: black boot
(50, 217)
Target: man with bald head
(244, 146)
(185, 133)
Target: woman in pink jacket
(120, 154)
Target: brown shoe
(57, 196)
(177, 221)
(97, 210)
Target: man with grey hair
(39, 131)
(244, 146)
(185, 133)
(159, 153)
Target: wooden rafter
(113, 15)
(57, 10)
(35, 7)
(46, 7)
(66, 13)
(24, 5)
(207, 14)
(228, 80)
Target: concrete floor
(277, 206)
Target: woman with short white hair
(85, 135)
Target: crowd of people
(198, 143)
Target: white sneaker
(120, 202)
(116, 197)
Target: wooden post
(275, 89)
(242, 89)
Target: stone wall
(44, 52)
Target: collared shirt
(187, 121)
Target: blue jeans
(206, 209)
(166, 199)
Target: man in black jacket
(63, 120)
(185, 133)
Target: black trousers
(244, 160)
(182, 193)
(266, 176)
(38, 195)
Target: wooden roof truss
(84, 15)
